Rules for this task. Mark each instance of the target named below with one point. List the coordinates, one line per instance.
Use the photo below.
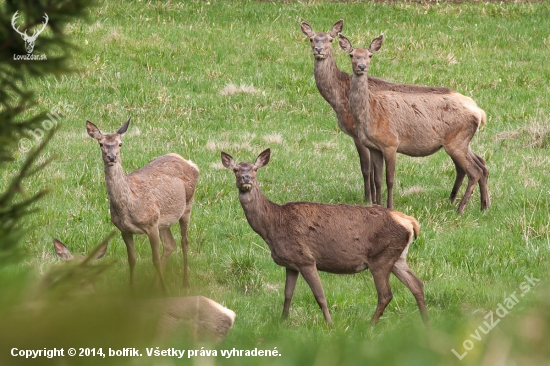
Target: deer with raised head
(29, 40)
(195, 317)
(148, 200)
(334, 86)
(416, 125)
(306, 237)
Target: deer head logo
(29, 41)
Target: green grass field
(201, 77)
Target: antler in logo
(29, 41)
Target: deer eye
(370, 56)
(332, 40)
(100, 144)
(120, 144)
(311, 39)
(235, 170)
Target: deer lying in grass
(196, 316)
(76, 280)
(305, 237)
(416, 125)
(64, 253)
(149, 200)
(334, 86)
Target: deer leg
(129, 241)
(460, 174)
(484, 192)
(402, 271)
(378, 167)
(154, 240)
(372, 185)
(184, 224)
(365, 161)
(168, 246)
(290, 285)
(467, 162)
(390, 155)
(311, 276)
(381, 277)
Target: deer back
(338, 238)
(421, 123)
(197, 316)
(165, 185)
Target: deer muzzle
(245, 183)
(111, 159)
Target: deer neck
(359, 100)
(328, 78)
(120, 194)
(258, 210)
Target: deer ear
(228, 161)
(262, 159)
(306, 29)
(61, 250)
(93, 131)
(122, 130)
(344, 43)
(376, 43)
(337, 28)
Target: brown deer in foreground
(149, 200)
(196, 316)
(334, 86)
(306, 237)
(416, 125)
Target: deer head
(64, 253)
(110, 144)
(321, 42)
(360, 57)
(245, 173)
(77, 278)
(29, 41)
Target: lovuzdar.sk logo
(29, 40)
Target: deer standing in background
(334, 86)
(29, 41)
(306, 237)
(149, 200)
(416, 125)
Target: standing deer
(334, 86)
(416, 125)
(195, 317)
(306, 237)
(149, 200)
(29, 41)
